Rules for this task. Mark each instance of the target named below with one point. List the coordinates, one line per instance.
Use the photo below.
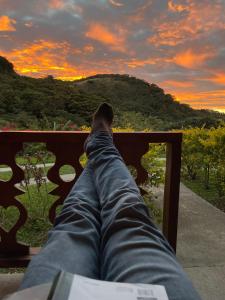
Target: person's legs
(73, 243)
(132, 248)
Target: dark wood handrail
(67, 146)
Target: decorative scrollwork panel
(68, 148)
(66, 154)
(9, 244)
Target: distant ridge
(6, 67)
(40, 103)
(131, 93)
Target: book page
(84, 288)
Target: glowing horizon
(178, 45)
(181, 98)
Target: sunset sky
(179, 45)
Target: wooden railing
(67, 148)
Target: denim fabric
(105, 232)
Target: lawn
(35, 230)
(211, 194)
(37, 203)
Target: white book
(76, 287)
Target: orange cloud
(177, 84)
(103, 35)
(7, 24)
(43, 58)
(201, 18)
(219, 78)
(170, 38)
(135, 62)
(202, 100)
(56, 4)
(65, 5)
(176, 7)
(190, 59)
(88, 49)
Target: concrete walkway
(201, 246)
(65, 177)
(7, 169)
(201, 243)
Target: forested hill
(40, 103)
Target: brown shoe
(103, 118)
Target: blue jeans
(104, 231)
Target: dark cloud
(179, 45)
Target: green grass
(21, 160)
(5, 176)
(210, 194)
(34, 232)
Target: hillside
(40, 103)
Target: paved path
(2, 170)
(65, 177)
(201, 243)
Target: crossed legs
(104, 230)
